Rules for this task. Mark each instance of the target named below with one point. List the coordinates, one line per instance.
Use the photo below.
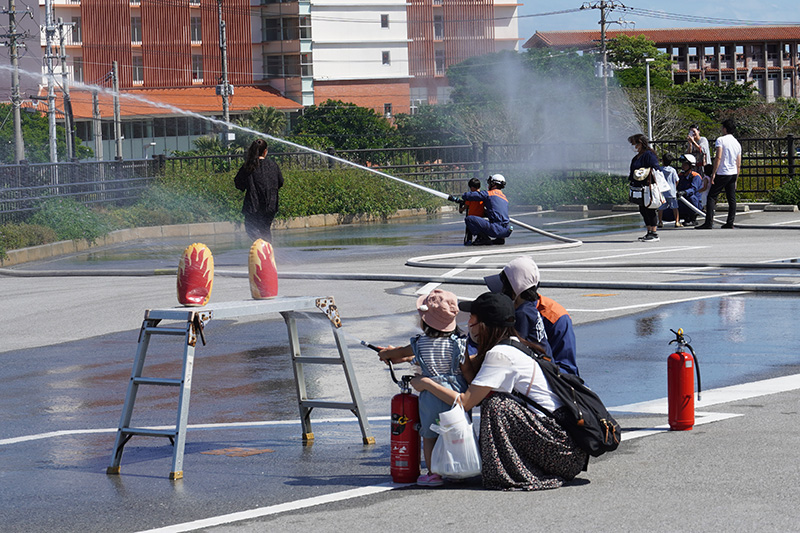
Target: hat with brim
(491, 308)
(438, 309)
(522, 274)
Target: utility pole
(68, 122)
(12, 36)
(223, 87)
(605, 6)
(117, 120)
(49, 30)
(97, 126)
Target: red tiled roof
(202, 100)
(668, 36)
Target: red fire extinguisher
(680, 384)
(404, 456)
(405, 432)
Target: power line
(649, 13)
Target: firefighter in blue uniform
(494, 226)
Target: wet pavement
(69, 344)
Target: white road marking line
(700, 418)
(722, 395)
(221, 425)
(654, 304)
(275, 509)
(784, 223)
(634, 254)
(635, 213)
(515, 215)
(427, 288)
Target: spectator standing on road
(645, 158)
(440, 355)
(260, 178)
(521, 448)
(727, 163)
(698, 147)
(537, 318)
(471, 207)
(495, 227)
(670, 196)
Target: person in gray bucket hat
(538, 318)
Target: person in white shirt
(521, 448)
(727, 163)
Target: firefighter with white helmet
(689, 186)
(494, 226)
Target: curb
(53, 249)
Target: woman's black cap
(491, 308)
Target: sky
(648, 14)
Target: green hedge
(551, 191)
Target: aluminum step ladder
(190, 325)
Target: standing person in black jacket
(645, 158)
(260, 178)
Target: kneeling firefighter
(494, 226)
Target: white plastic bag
(661, 180)
(455, 454)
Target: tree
(344, 126)
(431, 125)
(629, 55)
(775, 119)
(264, 119)
(715, 99)
(36, 134)
(669, 120)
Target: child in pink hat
(440, 354)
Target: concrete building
(388, 55)
(769, 56)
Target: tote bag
(455, 454)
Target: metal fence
(766, 164)
(23, 187)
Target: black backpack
(588, 422)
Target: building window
(270, 29)
(727, 78)
(77, 36)
(772, 76)
(439, 62)
(306, 65)
(286, 29)
(385, 58)
(273, 66)
(384, 21)
(196, 29)
(77, 68)
(387, 110)
(197, 68)
(305, 27)
(136, 29)
(787, 75)
(137, 66)
(438, 27)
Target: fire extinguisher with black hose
(405, 432)
(681, 367)
(404, 444)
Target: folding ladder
(191, 322)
